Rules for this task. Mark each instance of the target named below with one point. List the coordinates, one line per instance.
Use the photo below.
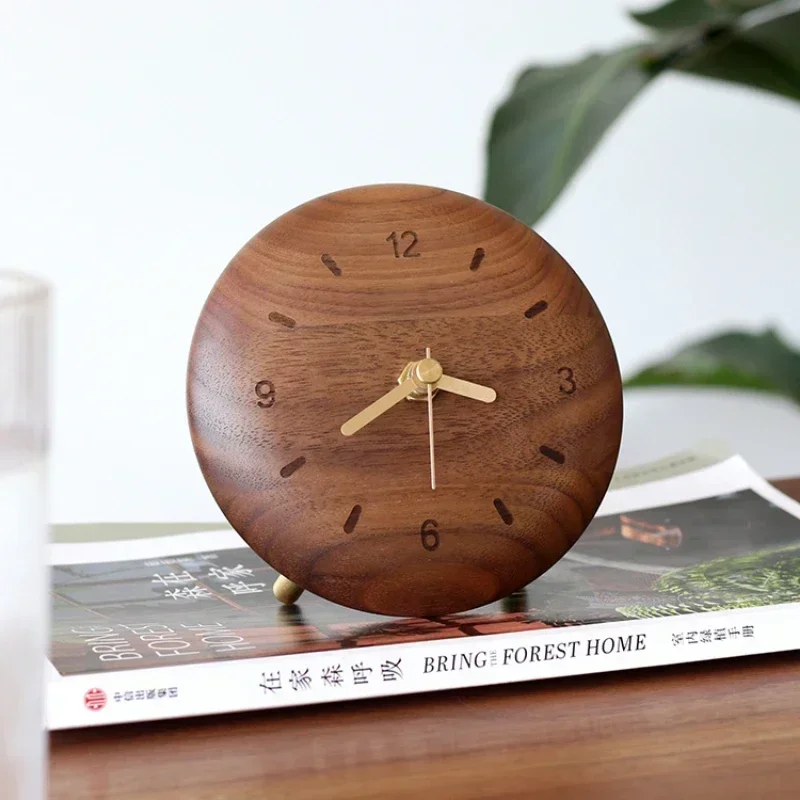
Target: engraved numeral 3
(568, 385)
(407, 253)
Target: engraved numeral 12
(392, 237)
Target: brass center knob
(429, 370)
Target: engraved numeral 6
(392, 237)
(265, 392)
(429, 534)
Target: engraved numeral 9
(429, 534)
(265, 392)
(392, 237)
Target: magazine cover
(697, 566)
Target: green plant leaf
(765, 56)
(678, 14)
(551, 122)
(736, 359)
(742, 6)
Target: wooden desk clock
(404, 400)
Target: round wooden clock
(404, 400)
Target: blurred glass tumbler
(24, 583)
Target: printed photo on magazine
(732, 550)
(715, 539)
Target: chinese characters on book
(709, 635)
(190, 587)
(332, 676)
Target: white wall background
(141, 144)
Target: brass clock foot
(287, 592)
(515, 603)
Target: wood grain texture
(317, 316)
(725, 730)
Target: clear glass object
(24, 579)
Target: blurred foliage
(746, 360)
(765, 577)
(555, 116)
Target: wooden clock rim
(343, 197)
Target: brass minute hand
(466, 389)
(374, 410)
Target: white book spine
(407, 668)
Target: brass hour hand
(466, 389)
(374, 410)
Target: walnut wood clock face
(335, 305)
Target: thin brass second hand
(430, 426)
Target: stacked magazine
(692, 558)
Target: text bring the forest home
(553, 651)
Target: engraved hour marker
(288, 322)
(352, 520)
(331, 264)
(502, 510)
(553, 455)
(477, 258)
(536, 308)
(292, 467)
